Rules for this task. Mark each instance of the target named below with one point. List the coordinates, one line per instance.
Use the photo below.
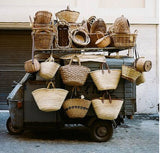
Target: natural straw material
(106, 110)
(130, 73)
(76, 108)
(106, 79)
(48, 68)
(74, 75)
(140, 79)
(103, 42)
(32, 66)
(42, 17)
(49, 99)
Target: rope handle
(109, 96)
(75, 57)
(99, 32)
(106, 66)
(50, 84)
(50, 59)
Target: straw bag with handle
(49, 99)
(107, 109)
(48, 68)
(106, 79)
(74, 75)
(32, 66)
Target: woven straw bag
(42, 17)
(48, 68)
(130, 73)
(76, 108)
(121, 25)
(74, 75)
(49, 99)
(67, 15)
(32, 66)
(140, 79)
(106, 110)
(106, 79)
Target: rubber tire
(103, 125)
(11, 129)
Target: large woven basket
(42, 17)
(121, 25)
(32, 66)
(106, 110)
(43, 39)
(130, 73)
(74, 75)
(124, 40)
(48, 68)
(67, 15)
(106, 79)
(76, 108)
(49, 99)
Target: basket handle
(75, 57)
(31, 22)
(109, 96)
(50, 84)
(99, 32)
(50, 59)
(106, 66)
(42, 30)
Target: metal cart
(24, 112)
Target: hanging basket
(32, 66)
(67, 15)
(74, 75)
(48, 68)
(106, 79)
(76, 108)
(107, 110)
(49, 99)
(130, 73)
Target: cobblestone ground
(134, 136)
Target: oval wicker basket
(103, 42)
(67, 15)
(42, 17)
(130, 73)
(76, 108)
(121, 25)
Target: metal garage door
(15, 49)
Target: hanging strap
(50, 59)
(74, 91)
(109, 96)
(106, 66)
(75, 57)
(50, 84)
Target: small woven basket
(130, 73)
(43, 39)
(140, 79)
(42, 17)
(124, 40)
(32, 66)
(67, 15)
(76, 108)
(103, 42)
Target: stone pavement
(139, 135)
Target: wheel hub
(102, 131)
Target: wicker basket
(80, 38)
(48, 68)
(140, 79)
(130, 73)
(43, 39)
(49, 99)
(42, 17)
(124, 40)
(106, 110)
(103, 42)
(106, 79)
(67, 15)
(32, 66)
(74, 75)
(121, 25)
(76, 108)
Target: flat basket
(106, 110)
(76, 108)
(49, 99)
(130, 73)
(124, 40)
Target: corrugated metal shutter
(15, 49)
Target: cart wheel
(101, 131)
(11, 129)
